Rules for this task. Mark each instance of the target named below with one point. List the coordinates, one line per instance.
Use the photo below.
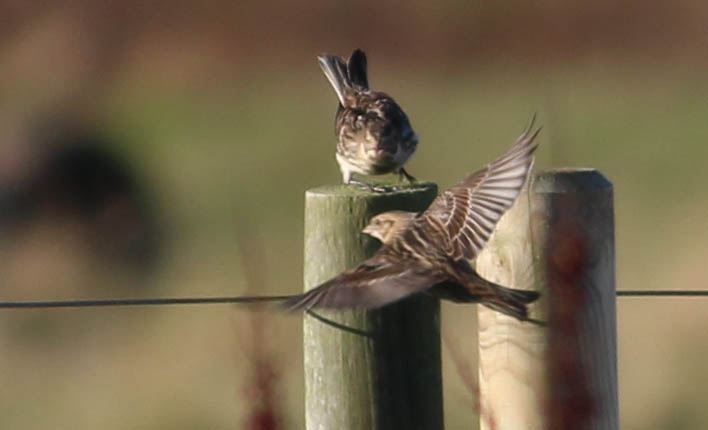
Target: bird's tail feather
(512, 302)
(335, 69)
(356, 70)
(509, 301)
(520, 296)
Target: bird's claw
(402, 172)
(372, 188)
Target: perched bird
(430, 251)
(374, 134)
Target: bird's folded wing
(366, 286)
(467, 213)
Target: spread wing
(377, 281)
(466, 214)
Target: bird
(431, 251)
(374, 135)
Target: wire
(260, 299)
(139, 302)
(664, 293)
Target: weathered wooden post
(367, 369)
(559, 239)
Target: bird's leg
(402, 172)
(346, 173)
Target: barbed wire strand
(140, 302)
(664, 293)
(259, 299)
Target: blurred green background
(221, 117)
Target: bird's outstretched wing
(375, 282)
(466, 214)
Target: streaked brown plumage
(374, 135)
(431, 250)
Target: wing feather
(470, 210)
(373, 283)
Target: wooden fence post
(376, 369)
(559, 239)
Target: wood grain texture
(367, 369)
(558, 239)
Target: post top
(344, 190)
(569, 180)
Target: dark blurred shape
(263, 389)
(568, 267)
(77, 180)
(262, 393)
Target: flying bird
(430, 251)
(374, 135)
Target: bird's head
(388, 225)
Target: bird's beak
(367, 230)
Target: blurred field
(219, 147)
